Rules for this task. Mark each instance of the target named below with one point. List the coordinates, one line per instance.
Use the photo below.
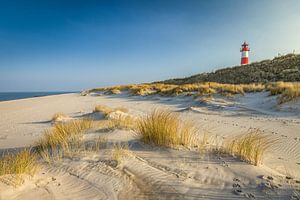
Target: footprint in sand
(237, 189)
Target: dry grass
(62, 139)
(162, 127)
(103, 109)
(288, 91)
(206, 88)
(290, 94)
(115, 91)
(24, 162)
(58, 117)
(123, 122)
(250, 146)
(94, 145)
(107, 110)
(119, 152)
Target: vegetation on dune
(287, 91)
(122, 122)
(114, 91)
(58, 116)
(250, 146)
(255, 77)
(107, 110)
(62, 139)
(23, 162)
(283, 68)
(163, 127)
(119, 152)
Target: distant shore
(8, 96)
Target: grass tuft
(107, 110)
(119, 152)
(62, 139)
(24, 162)
(163, 127)
(58, 117)
(122, 122)
(250, 147)
(290, 93)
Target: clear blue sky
(73, 45)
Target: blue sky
(73, 45)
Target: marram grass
(23, 162)
(107, 110)
(165, 128)
(250, 147)
(119, 152)
(62, 138)
(17, 165)
(287, 90)
(57, 116)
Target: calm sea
(6, 96)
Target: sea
(7, 96)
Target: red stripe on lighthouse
(244, 61)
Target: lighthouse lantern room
(244, 50)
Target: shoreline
(34, 97)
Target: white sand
(152, 172)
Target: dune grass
(58, 116)
(205, 88)
(107, 110)
(250, 147)
(290, 93)
(119, 152)
(23, 162)
(163, 127)
(17, 165)
(94, 145)
(115, 91)
(123, 122)
(287, 91)
(62, 138)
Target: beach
(151, 172)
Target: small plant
(250, 146)
(288, 91)
(107, 110)
(100, 142)
(23, 162)
(164, 128)
(58, 117)
(290, 94)
(119, 152)
(62, 138)
(115, 91)
(103, 109)
(122, 122)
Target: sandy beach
(152, 172)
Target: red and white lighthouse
(245, 50)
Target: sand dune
(150, 172)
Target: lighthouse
(244, 50)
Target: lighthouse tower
(244, 50)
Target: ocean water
(7, 96)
